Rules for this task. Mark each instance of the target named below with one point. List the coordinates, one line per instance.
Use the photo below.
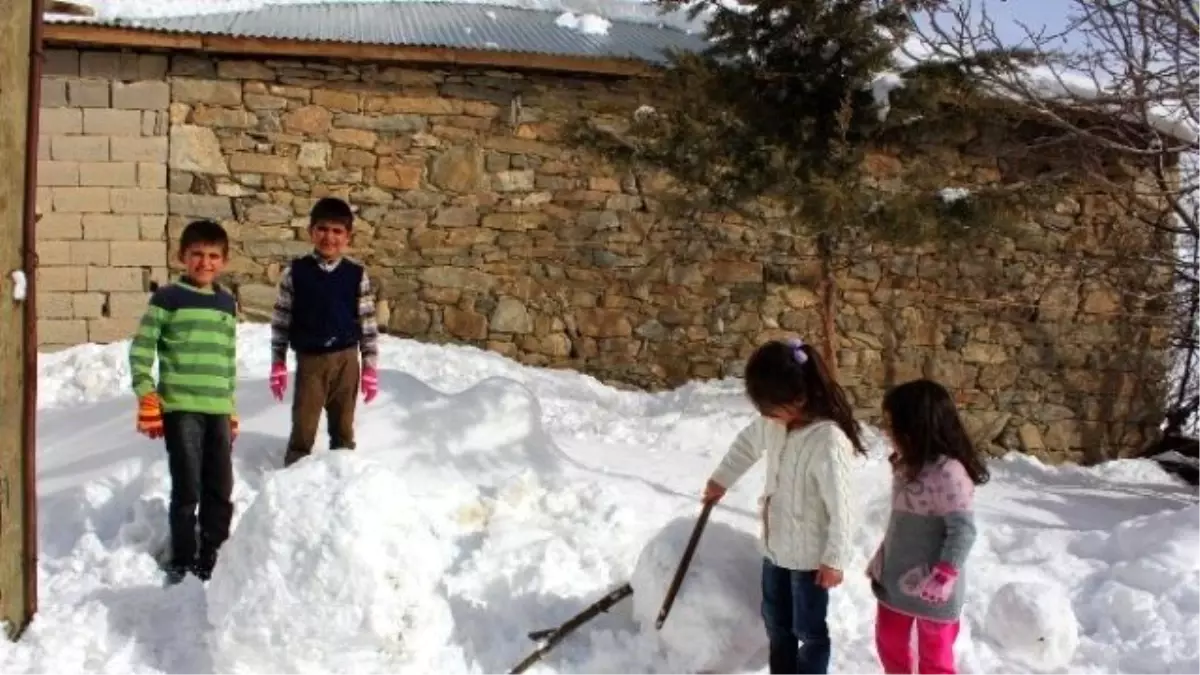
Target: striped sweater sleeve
(281, 318)
(746, 449)
(369, 345)
(144, 348)
(957, 497)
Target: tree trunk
(828, 300)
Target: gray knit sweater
(932, 522)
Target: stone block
(79, 148)
(244, 70)
(196, 149)
(139, 201)
(43, 151)
(108, 174)
(57, 174)
(109, 122)
(110, 329)
(127, 305)
(54, 305)
(62, 331)
(61, 279)
(110, 227)
(114, 279)
(60, 226)
(82, 199)
(139, 253)
(54, 121)
(54, 252)
(88, 93)
(88, 305)
(139, 149)
(200, 206)
(246, 162)
(89, 252)
(145, 95)
(152, 66)
(211, 92)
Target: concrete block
(62, 331)
(54, 226)
(57, 174)
(153, 228)
(54, 252)
(88, 93)
(114, 279)
(151, 175)
(79, 148)
(61, 279)
(88, 305)
(89, 252)
(54, 306)
(127, 305)
(143, 95)
(110, 227)
(82, 199)
(139, 201)
(108, 174)
(61, 62)
(54, 93)
(109, 122)
(140, 149)
(111, 329)
(139, 253)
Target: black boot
(175, 572)
(205, 562)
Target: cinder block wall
(102, 189)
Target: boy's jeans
(794, 609)
(893, 640)
(199, 454)
(324, 382)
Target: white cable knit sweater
(807, 515)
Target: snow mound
(714, 624)
(329, 569)
(1034, 623)
(485, 435)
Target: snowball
(715, 624)
(330, 568)
(1034, 624)
(586, 24)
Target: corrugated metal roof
(427, 24)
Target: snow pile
(587, 24)
(714, 624)
(1034, 624)
(332, 555)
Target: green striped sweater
(193, 333)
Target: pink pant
(893, 640)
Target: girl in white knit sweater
(808, 434)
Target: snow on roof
(598, 28)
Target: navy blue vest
(324, 306)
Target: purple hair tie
(797, 346)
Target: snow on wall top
(465, 25)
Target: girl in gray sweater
(918, 573)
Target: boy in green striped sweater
(191, 327)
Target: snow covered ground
(489, 499)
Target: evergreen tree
(777, 119)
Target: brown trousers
(326, 382)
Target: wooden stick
(684, 563)
(553, 637)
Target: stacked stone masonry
(102, 192)
(482, 227)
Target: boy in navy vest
(325, 312)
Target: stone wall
(102, 187)
(482, 227)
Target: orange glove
(149, 416)
(233, 427)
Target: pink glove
(939, 585)
(278, 380)
(370, 384)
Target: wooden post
(18, 585)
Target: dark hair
(203, 233)
(331, 210)
(790, 373)
(925, 425)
